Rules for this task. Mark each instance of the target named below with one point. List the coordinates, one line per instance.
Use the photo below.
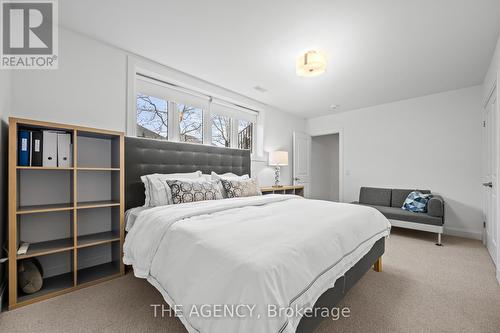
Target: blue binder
(23, 147)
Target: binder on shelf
(23, 148)
(36, 148)
(49, 149)
(63, 150)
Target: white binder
(49, 149)
(64, 150)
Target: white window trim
(136, 66)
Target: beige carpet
(423, 288)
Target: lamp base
(277, 176)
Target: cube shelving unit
(73, 217)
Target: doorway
(325, 167)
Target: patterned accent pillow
(184, 190)
(416, 202)
(240, 187)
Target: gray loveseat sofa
(390, 201)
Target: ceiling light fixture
(312, 63)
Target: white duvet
(264, 252)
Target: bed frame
(147, 156)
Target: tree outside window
(190, 123)
(221, 131)
(152, 117)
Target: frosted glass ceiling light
(312, 63)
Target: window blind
(234, 111)
(152, 87)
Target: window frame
(137, 66)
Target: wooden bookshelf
(31, 209)
(47, 247)
(97, 239)
(62, 196)
(43, 168)
(97, 204)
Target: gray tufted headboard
(147, 156)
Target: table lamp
(278, 159)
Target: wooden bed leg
(377, 266)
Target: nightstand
(285, 189)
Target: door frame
(493, 89)
(340, 132)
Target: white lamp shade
(278, 158)
(311, 63)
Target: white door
(302, 161)
(490, 177)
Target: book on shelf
(49, 149)
(36, 148)
(23, 147)
(45, 149)
(64, 150)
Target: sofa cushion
(375, 196)
(395, 213)
(399, 196)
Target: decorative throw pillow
(227, 176)
(184, 190)
(240, 187)
(416, 202)
(156, 190)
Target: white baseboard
(463, 233)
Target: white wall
(90, 89)
(493, 74)
(325, 167)
(279, 127)
(5, 93)
(432, 142)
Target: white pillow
(206, 177)
(156, 188)
(228, 175)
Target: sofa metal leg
(439, 240)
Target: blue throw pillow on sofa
(416, 202)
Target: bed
(265, 263)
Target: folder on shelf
(64, 150)
(36, 148)
(49, 149)
(23, 147)
(31, 147)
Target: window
(221, 131)
(152, 117)
(190, 123)
(245, 134)
(168, 112)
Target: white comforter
(264, 251)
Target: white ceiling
(378, 51)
